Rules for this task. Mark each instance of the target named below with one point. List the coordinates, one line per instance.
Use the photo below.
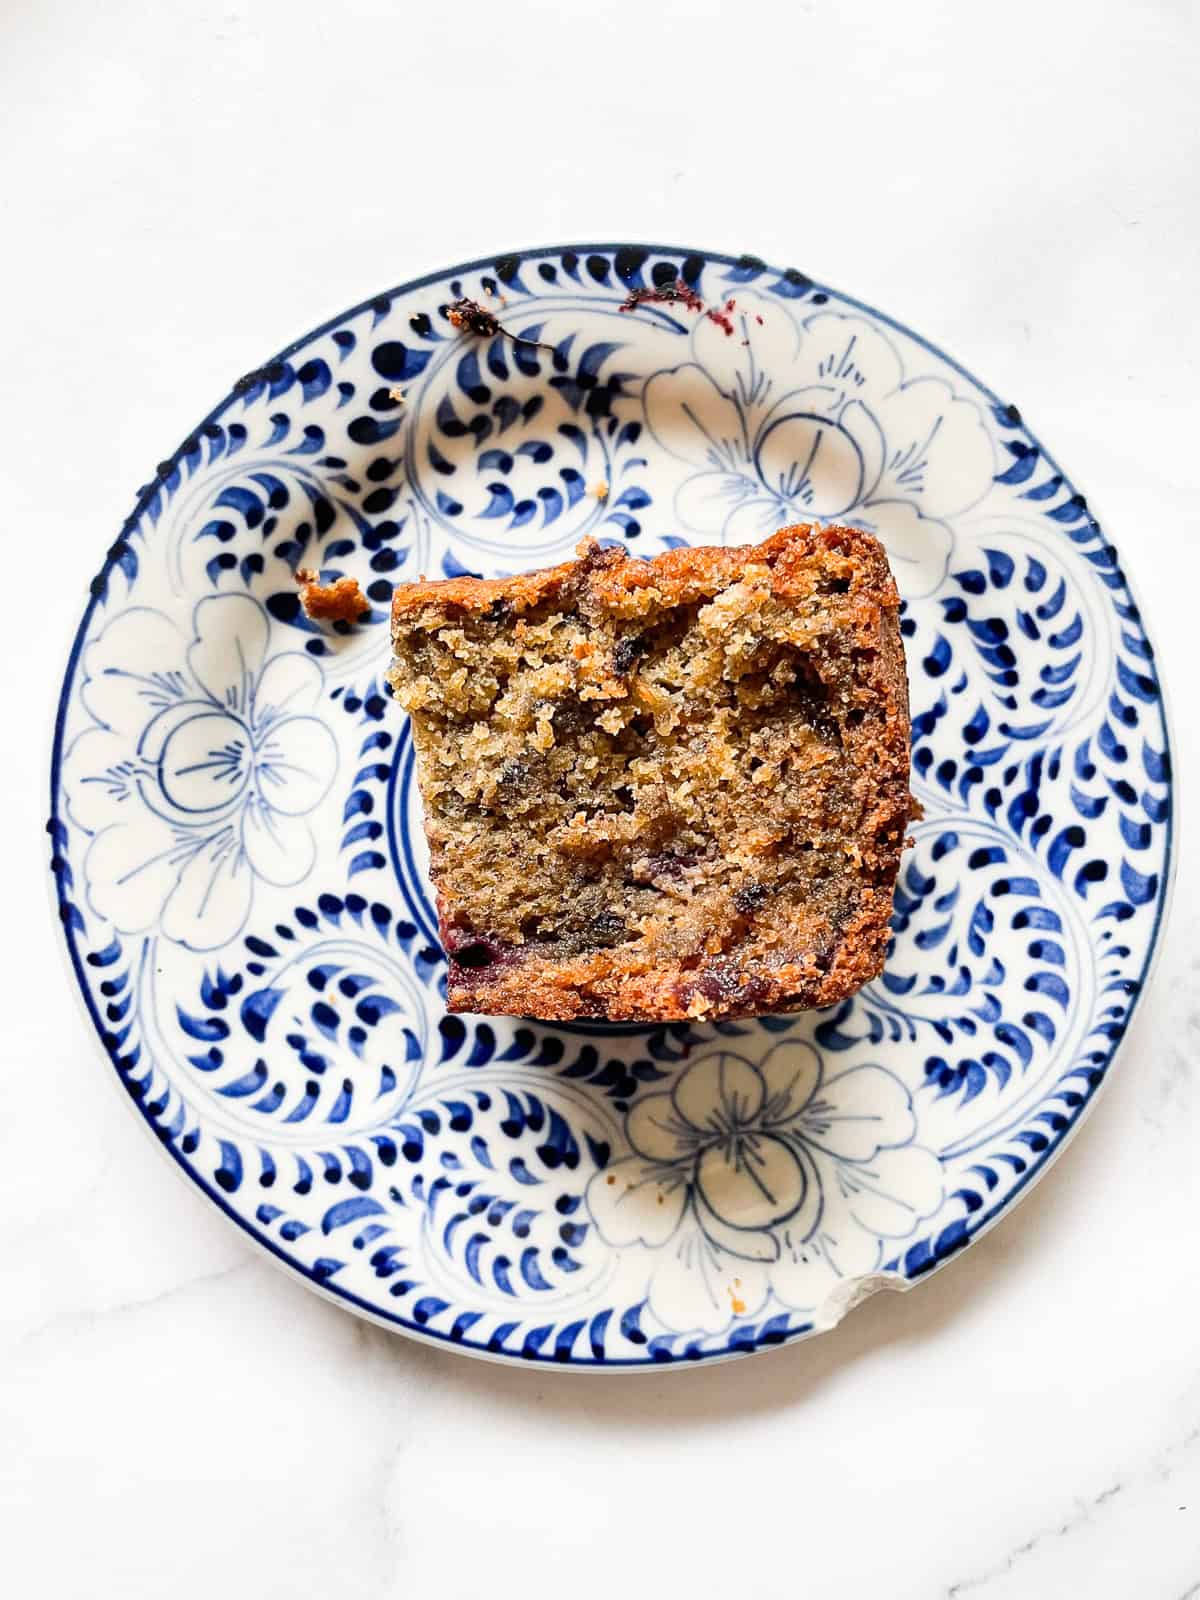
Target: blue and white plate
(240, 867)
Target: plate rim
(65, 941)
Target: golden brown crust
(832, 599)
(674, 577)
(340, 601)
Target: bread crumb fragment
(340, 601)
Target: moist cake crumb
(662, 789)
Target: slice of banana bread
(662, 789)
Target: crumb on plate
(340, 601)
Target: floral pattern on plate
(756, 1178)
(241, 877)
(204, 764)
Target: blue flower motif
(203, 762)
(835, 434)
(750, 1179)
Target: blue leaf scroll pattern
(974, 924)
(312, 1025)
(236, 849)
(536, 435)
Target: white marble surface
(188, 186)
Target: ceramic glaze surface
(241, 873)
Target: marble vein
(1158, 1470)
(65, 1322)
(1083, 1514)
